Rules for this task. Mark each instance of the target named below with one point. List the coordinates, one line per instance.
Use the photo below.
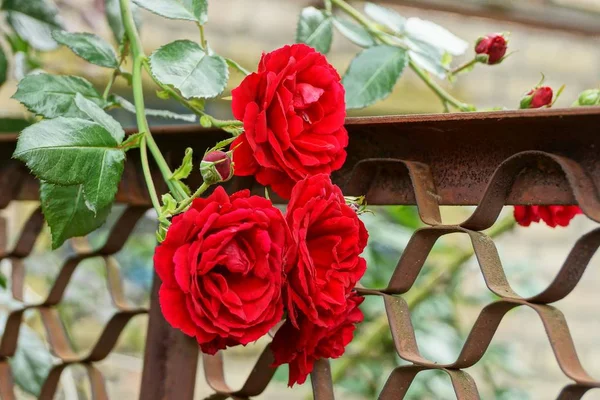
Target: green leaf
(184, 170)
(74, 151)
(13, 125)
(190, 10)
(132, 141)
(54, 95)
(435, 35)
(354, 32)
(315, 29)
(67, 214)
(34, 21)
(98, 115)
(32, 362)
(428, 57)
(127, 106)
(2, 281)
(88, 46)
(386, 17)
(112, 10)
(372, 75)
(184, 65)
(3, 66)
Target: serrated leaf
(190, 10)
(88, 46)
(112, 11)
(315, 29)
(354, 32)
(54, 95)
(184, 65)
(435, 35)
(184, 170)
(372, 75)
(3, 66)
(34, 21)
(74, 151)
(127, 106)
(98, 115)
(67, 214)
(32, 362)
(386, 17)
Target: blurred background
(557, 38)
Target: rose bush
(221, 266)
(293, 110)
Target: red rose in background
(221, 267)
(293, 111)
(494, 46)
(329, 238)
(537, 98)
(302, 346)
(551, 215)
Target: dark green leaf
(127, 106)
(34, 21)
(88, 46)
(2, 281)
(386, 17)
(184, 170)
(3, 66)
(184, 65)
(112, 10)
(31, 363)
(67, 214)
(191, 10)
(354, 32)
(98, 115)
(372, 75)
(54, 95)
(73, 151)
(315, 29)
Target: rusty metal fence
(483, 159)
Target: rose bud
(491, 49)
(590, 97)
(538, 97)
(216, 166)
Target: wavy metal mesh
(505, 168)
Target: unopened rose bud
(491, 49)
(537, 97)
(216, 166)
(590, 97)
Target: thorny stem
(138, 95)
(375, 31)
(379, 327)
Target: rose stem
(138, 95)
(438, 90)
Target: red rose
(551, 215)
(221, 267)
(329, 238)
(494, 46)
(293, 111)
(301, 347)
(537, 98)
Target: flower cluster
(232, 266)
